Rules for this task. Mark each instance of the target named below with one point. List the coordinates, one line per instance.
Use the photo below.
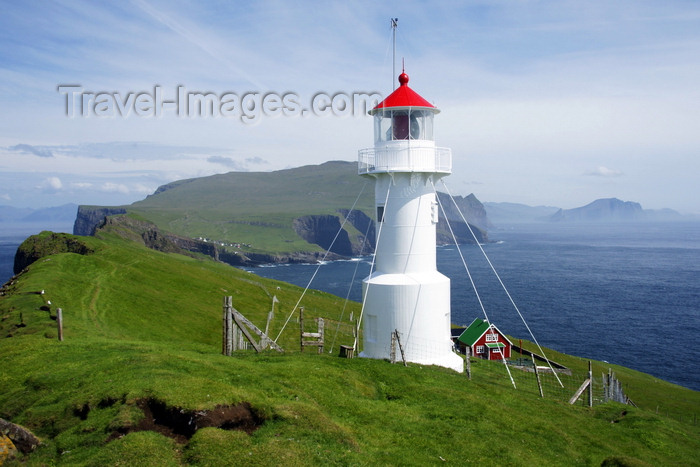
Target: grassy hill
(143, 342)
(257, 208)
(282, 213)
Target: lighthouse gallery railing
(414, 158)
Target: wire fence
(605, 386)
(343, 338)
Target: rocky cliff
(468, 206)
(150, 235)
(364, 240)
(90, 217)
(324, 231)
(355, 239)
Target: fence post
(620, 394)
(59, 322)
(321, 332)
(590, 386)
(230, 345)
(301, 328)
(469, 363)
(537, 375)
(355, 334)
(398, 341)
(227, 345)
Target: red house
(486, 341)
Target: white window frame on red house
(491, 337)
(479, 349)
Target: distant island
(613, 210)
(605, 210)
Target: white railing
(405, 159)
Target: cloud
(81, 185)
(51, 185)
(226, 161)
(29, 149)
(256, 160)
(6, 197)
(110, 187)
(602, 171)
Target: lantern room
(404, 115)
(403, 136)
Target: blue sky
(543, 102)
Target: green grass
(141, 324)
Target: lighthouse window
(382, 126)
(425, 119)
(403, 124)
(380, 213)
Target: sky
(553, 103)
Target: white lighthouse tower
(405, 292)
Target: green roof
(493, 345)
(474, 331)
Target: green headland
(140, 379)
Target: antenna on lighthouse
(394, 25)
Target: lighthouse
(405, 292)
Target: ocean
(628, 294)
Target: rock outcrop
(45, 244)
(364, 241)
(90, 217)
(469, 207)
(22, 439)
(324, 231)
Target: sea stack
(405, 292)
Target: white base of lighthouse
(417, 305)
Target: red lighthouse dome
(404, 97)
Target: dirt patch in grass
(181, 424)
